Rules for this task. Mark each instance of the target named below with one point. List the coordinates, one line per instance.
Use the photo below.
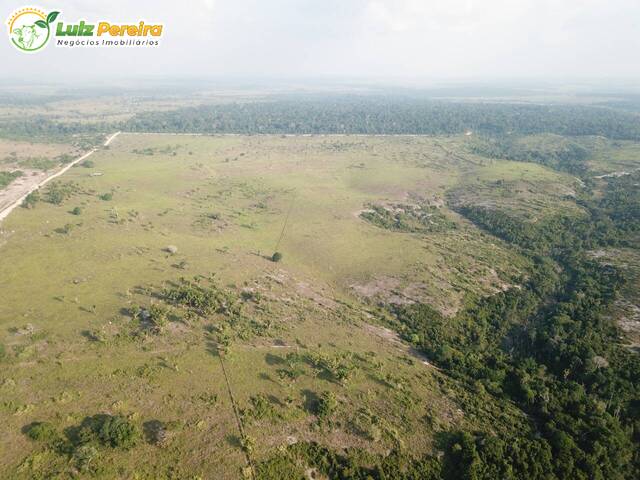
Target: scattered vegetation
(57, 192)
(408, 218)
(7, 177)
(201, 296)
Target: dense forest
(352, 114)
(549, 348)
(552, 151)
(382, 115)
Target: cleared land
(157, 208)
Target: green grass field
(156, 208)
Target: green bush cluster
(7, 177)
(204, 299)
(340, 367)
(57, 192)
(408, 218)
(42, 432)
(108, 430)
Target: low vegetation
(408, 218)
(7, 177)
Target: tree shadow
(266, 377)
(89, 336)
(233, 440)
(273, 360)
(311, 401)
(152, 431)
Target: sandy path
(29, 187)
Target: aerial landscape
(319, 279)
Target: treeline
(350, 114)
(50, 129)
(385, 115)
(555, 152)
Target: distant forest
(371, 115)
(350, 114)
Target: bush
(118, 432)
(57, 192)
(202, 299)
(42, 432)
(276, 257)
(279, 467)
(88, 164)
(106, 196)
(7, 177)
(31, 199)
(158, 317)
(327, 405)
(84, 457)
(76, 211)
(113, 431)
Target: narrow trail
(5, 213)
(236, 413)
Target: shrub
(42, 432)
(7, 177)
(76, 211)
(88, 164)
(113, 431)
(158, 316)
(278, 468)
(31, 199)
(84, 457)
(58, 192)
(202, 299)
(260, 409)
(106, 196)
(65, 230)
(276, 257)
(327, 405)
(248, 444)
(119, 432)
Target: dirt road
(15, 194)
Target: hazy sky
(404, 39)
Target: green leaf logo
(30, 29)
(52, 16)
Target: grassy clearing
(89, 318)
(525, 190)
